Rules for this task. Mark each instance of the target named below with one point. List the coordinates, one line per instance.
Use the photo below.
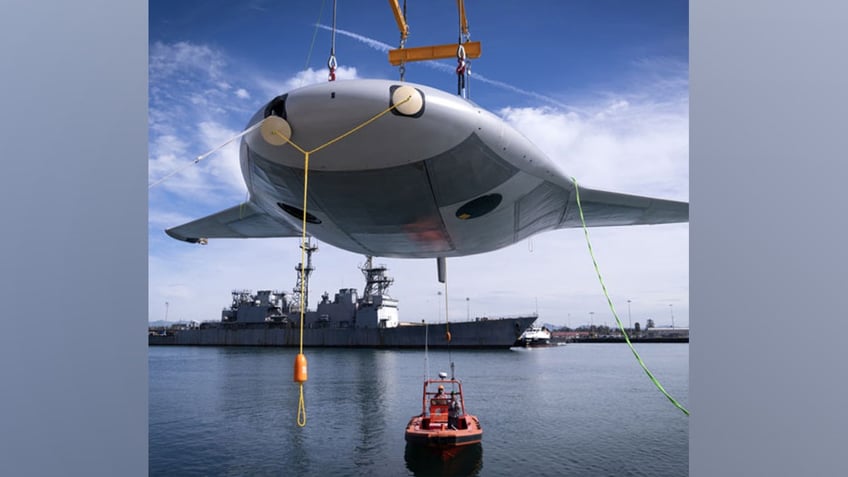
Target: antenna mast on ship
(376, 281)
(301, 288)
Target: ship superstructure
(272, 318)
(535, 336)
(374, 309)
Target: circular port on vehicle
(479, 207)
(298, 213)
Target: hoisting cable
(331, 62)
(403, 35)
(403, 28)
(426, 350)
(447, 324)
(300, 371)
(612, 308)
(462, 67)
(467, 80)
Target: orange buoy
(300, 368)
(447, 336)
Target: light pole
(439, 305)
(468, 308)
(592, 318)
(629, 318)
(166, 311)
(671, 309)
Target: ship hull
(533, 343)
(485, 333)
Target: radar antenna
(301, 288)
(376, 281)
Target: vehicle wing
(602, 208)
(242, 221)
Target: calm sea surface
(575, 410)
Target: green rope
(314, 34)
(612, 308)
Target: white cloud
(160, 218)
(169, 59)
(191, 98)
(310, 76)
(639, 148)
(224, 164)
(271, 88)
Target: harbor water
(574, 410)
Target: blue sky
(600, 86)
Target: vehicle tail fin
(602, 208)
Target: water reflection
(231, 411)
(370, 395)
(461, 461)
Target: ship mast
(376, 281)
(301, 288)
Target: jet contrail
(377, 45)
(384, 47)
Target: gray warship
(272, 318)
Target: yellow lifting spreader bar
(436, 52)
(404, 55)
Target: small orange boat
(435, 427)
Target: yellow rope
(301, 409)
(357, 128)
(612, 308)
(301, 405)
(314, 34)
(303, 289)
(332, 141)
